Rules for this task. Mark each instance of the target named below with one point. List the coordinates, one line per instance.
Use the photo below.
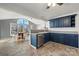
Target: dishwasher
(40, 38)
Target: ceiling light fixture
(53, 5)
(50, 5)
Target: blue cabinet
(71, 40)
(57, 37)
(34, 40)
(61, 37)
(37, 40)
(67, 39)
(46, 37)
(51, 24)
(67, 21)
(52, 37)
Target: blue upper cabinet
(67, 21)
(51, 23)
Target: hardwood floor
(9, 47)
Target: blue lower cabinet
(46, 37)
(71, 40)
(57, 37)
(34, 40)
(52, 37)
(67, 39)
(61, 38)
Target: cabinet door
(56, 37)
(52, 37)
(61, 38)
(46, 37)
(34, 40)
(71, 39)
(51, 24)
(74, 40)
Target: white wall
(77, 22)
(6, 14)
(39, 22)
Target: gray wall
(0, 29)
(5, 27)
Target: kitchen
(53, 30)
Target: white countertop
(40, 32)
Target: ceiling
(38, 10)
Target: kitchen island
(39, 39)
